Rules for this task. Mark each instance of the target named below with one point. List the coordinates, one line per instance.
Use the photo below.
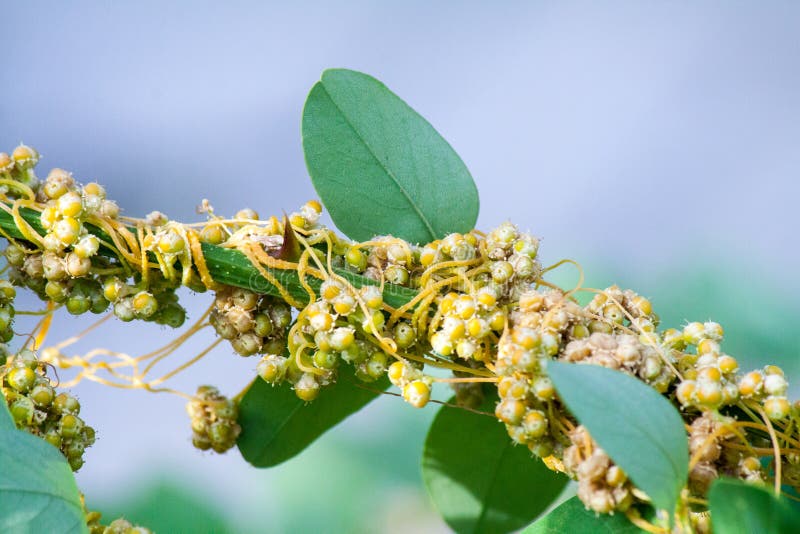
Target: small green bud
(6, 315)
(281, 315)
(144, 304)
(75, 463)
(7, 291)
(27, 358)
(21, 379)
(70, 426)
(263, 325)
(272, 368)
(53, 438)
(172, 315)
(356, 259)
(404, 335)
(42, 395)
(376, 366)
(56, 291)
(307, 388)
(6, 335)
(124, 310)
(274, 346)
(66, 404)
(74, 450)
(22, 410)
(99, 304)
(395, 274)
(78, 304)
(325, 360)
(15, 255)
(246, 344)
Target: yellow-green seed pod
(25, 156)
(417, 393)
(777, 408)
(70, 204)
(21, 379)
(356, 259)
(272, 368)
(535, 424)
(307, 388)
(87, 246)
(404, 335)
(49, 217)
(94, 189)
(109, 209)
(77, 266)
(144, 304)
(342, 338)
(58, 183)
(67, 230)
(213, 234)
(685, 392)
(170, 243)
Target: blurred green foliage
(169, 507)
(360, 477)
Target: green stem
(231, 267)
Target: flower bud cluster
(213, 418)
(709, 437)
(346, 324)
(513, 259)
(37, 408)
(63, 268)
(334, 329)
(617, 307)
(622, 352)
(469, 323)
(245, 227)
(711, 377)
(253, 323)
(389, 258)
(602, 486)
(154, 301)
(537, 328)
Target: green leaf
(379, 167)
(276, 425)
(638, 428)
(572, 516)
(737, 507)
(37, 488)
(478, 479)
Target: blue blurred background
(657, 143)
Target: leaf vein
(391, 175)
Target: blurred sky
(653, 138)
